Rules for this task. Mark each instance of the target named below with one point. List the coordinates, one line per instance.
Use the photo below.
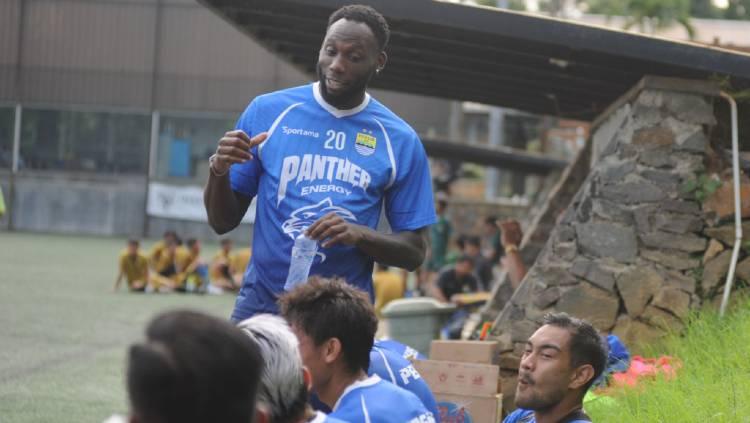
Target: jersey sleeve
(244, 177)
(409, 202)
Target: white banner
(182, 202)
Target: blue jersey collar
(334, 111)
(370, 381)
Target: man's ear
(382, 60)
(331, 350)
(307, 378)
(581, 376)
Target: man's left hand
(333, 229)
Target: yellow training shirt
(134, 268)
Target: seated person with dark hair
(134, 267)
(193, 368)
(456, 279)
(221, 272)
(335, 324)
(482, 266)
(561, 361)
(158, 257)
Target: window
(84, 141)
(186, 143)
(7, 122)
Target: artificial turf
(64, 333)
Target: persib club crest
(365, 143)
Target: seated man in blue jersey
(561, 361)
(403, 350)
(335, 324)
(285, 382)
(394, 368)
(324, 160)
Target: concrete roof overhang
(498, 57)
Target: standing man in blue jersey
(335, 325)
(324, 159)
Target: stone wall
(536, 231)
(627, 252)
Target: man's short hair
(225, 241)
(134, 242)
(586, 345)
(193, 368)
(490, 220)
(282, 387)
(191, 242)
(473, 240)
(461, 241)
(366, 15)
(331, 308)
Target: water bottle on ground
(303, 253)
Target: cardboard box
(482, 352)
(469, 409)
(449, 377)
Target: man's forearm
(515, 267)
(404, 249)
(222, 206)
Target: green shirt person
(440, 233)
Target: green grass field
(64, 333)
(713, 384)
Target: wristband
(512, 248)
(211, 161)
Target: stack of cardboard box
(463, 376)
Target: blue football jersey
(321, 417)
(527, 416)
(403, 350)
(376, 401)
(317, 160)
(394, 368)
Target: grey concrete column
(153, 146)
(17, 138)
(496, 123)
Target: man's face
(132, 249)
(226, 246)
(196, 247)
(472, 249)
(464, 267)
(545, 372)
(312, 358)
(347, 60)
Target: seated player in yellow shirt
(192, 273)
(158, 257)
(239, 264)
(388, 286)
(221, 272)
(134, 267)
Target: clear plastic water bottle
(303, 253)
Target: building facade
(109, 110)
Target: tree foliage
(647, 15)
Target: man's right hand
(234, 147)
(511, 233)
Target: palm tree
(647, 15)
